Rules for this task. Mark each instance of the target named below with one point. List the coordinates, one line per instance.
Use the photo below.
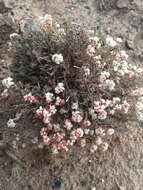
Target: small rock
(122, 4)
(9, 3)
(57, 184)
(129, 44)
(30, 187)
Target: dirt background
(120, 168)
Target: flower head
(7, 82)
(57, 58)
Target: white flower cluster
(110, 41)
(59, 88)
(49, 97)
(30, 98)
(11, 123)
(77, 116)
(57, 58)
(7, 82)
(46, 22)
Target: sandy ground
(121, 168)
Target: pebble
(1, 115)
(122, 3)
(58, 184)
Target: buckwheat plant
(79, 85)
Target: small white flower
(110, 131)
(14, 36)
(7, 82)
(59, 88)
(105, 146)
(86, 131)
(57, 58)
(11, 123)
(75, 105)
(93, 148)
(116, 100)
(77, 116)
(39, 111)
(94, 40)
(98, 141)
(100, 131)
(102, 115)
(110, 42)
(91, 132)
(83, 142)
(49, 97)
(54, 149)
(68, 125)
(52, 109)
(90, 50)
(119, 40)
(86, 71)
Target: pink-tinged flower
(101, 64)
(43, 132)
(86, 123)
(63, 145)
(56, 127)
(68, 125)
(30, 98)
(59, 101)
(90, 51)
(97, 58)
(94, 40)
(103, 76)
(47, 140)
(59, 88)
(86, 70)
(11, 123)
(119, 40)
(47, 119)
(76, 133)
(122, 55)
(4, 94)
(137, 92)
(77, 116)
(39, 111)
(49, 97)
(58, 136)
(100, 131)
(52, 109)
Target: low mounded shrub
(78, 86)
